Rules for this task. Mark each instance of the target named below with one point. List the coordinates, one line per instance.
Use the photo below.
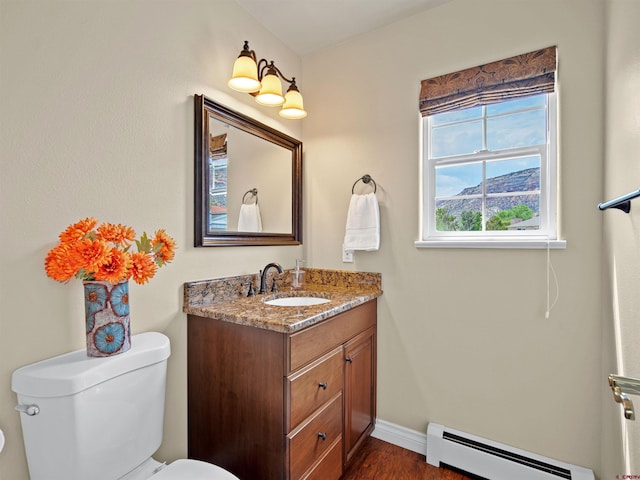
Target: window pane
(458, 180)
(456, 116)
(459, 215)
(456, 139)
(514, 175)
(517, 130)
(518, 212)
(219, 176)
(517, 104)
(218, 222)
(218, 210)
(474, 192)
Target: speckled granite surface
(226, 298)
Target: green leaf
(144, 244)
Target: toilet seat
(193, 470)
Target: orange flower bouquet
(89, 253)
(102, 259)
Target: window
(218, 194)
(489, 162)
(217, 181)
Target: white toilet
(86, 418)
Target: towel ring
(365, 179)
(253, 191)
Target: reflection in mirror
(239, 163)
(248, 180)
(216, 169)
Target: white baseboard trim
(401, 436)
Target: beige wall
(621, 326)
(96, 119)
(463, 339)
(96, 105)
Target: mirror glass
(248, 180)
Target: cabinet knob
(323, 385)
(349, 360)
(321, 435)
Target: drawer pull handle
(323, 385)
(323, 436)
(349, 360)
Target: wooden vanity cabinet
(360, 385)
(268, 405)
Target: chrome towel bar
(621, 203)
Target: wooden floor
(383, 461)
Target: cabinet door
(360, 386)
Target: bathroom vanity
(282, 392)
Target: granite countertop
(226, 299)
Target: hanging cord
(551, 270)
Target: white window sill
(492, 243)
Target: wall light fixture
(261, 79)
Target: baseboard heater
(492, 460)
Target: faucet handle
(251, 292)
(274, 287)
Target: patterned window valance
(217, 146)
(520, 76)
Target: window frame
(548, 234)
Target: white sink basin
(296, 301)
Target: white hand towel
(249, 219)
(363, 223)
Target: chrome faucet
(263, 276)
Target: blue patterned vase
(106, 308)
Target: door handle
(622, 387)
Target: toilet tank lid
(74, 372)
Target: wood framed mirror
(248, 180)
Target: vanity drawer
(308, 344)
(314, 385)
(329, 466)
(306, 443)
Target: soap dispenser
(297, 277)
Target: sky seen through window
(512, 124)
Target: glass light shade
(245, 75)
(293, 107)
(271, 91)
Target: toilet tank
(98, 418)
